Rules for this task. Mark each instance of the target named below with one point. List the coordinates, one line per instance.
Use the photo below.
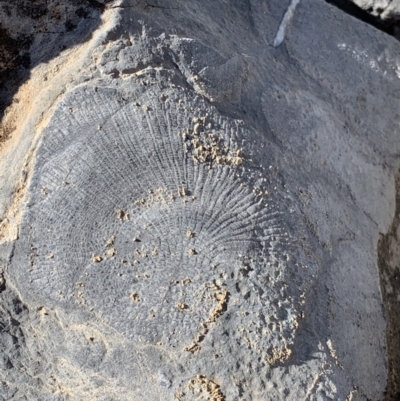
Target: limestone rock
(191, 207)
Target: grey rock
(199, 214)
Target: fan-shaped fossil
(154, 227)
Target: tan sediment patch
(160, 195)
(221, 296)
(206, 147)
(279, 355)
(205, 389)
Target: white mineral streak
(280, 35)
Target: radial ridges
(116, 191)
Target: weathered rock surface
(192, 200)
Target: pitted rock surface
(171, 250)
(198, 214)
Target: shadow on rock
(34, 32)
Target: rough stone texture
(192, 208)
(389, 259)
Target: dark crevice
(389, 273)
(97, 4)
(391, 27)
(65, 24)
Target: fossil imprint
(144, 214)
